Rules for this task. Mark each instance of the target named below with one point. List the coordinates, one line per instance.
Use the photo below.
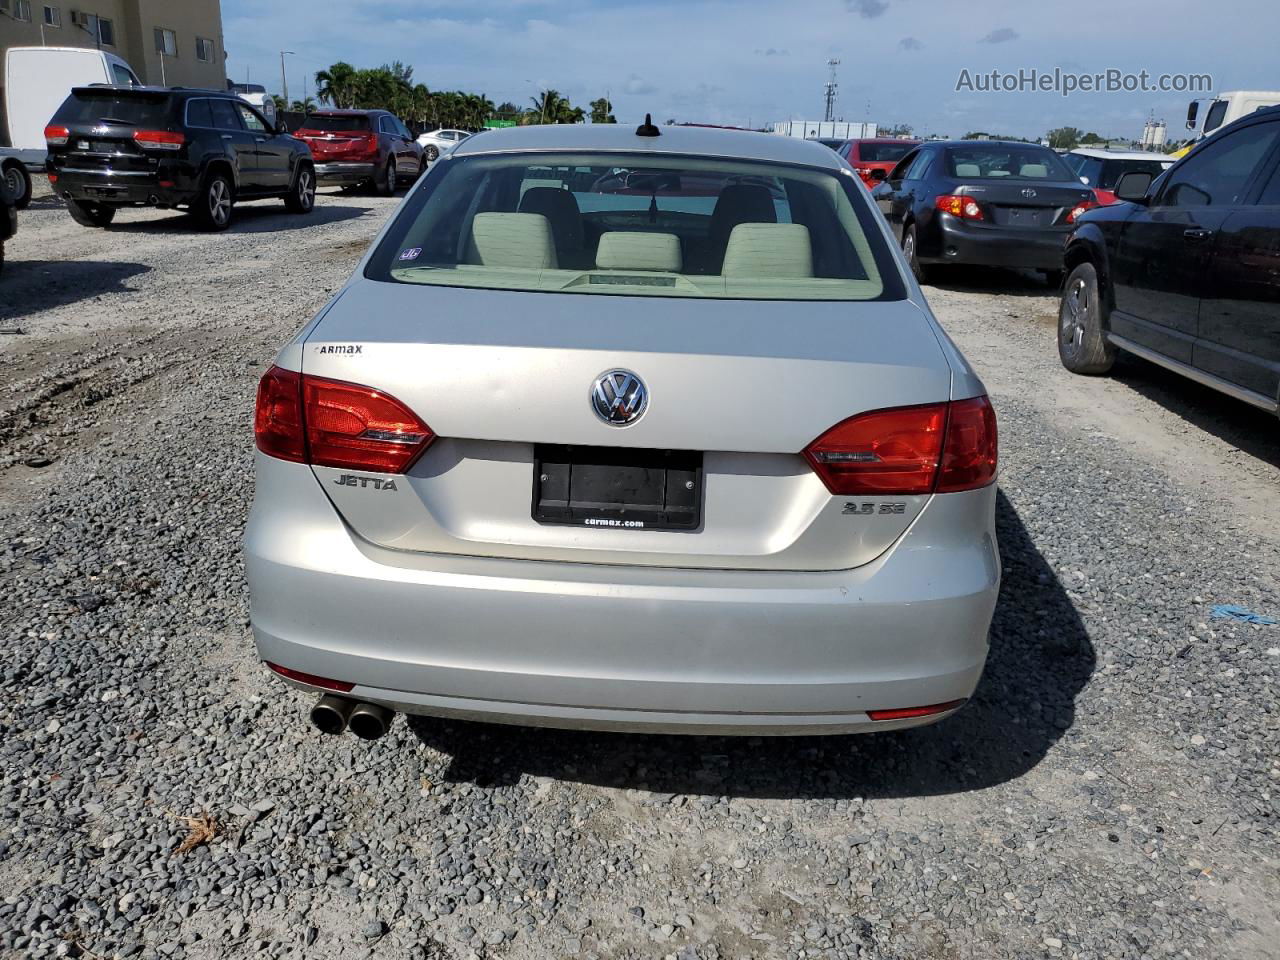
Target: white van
(38, 79)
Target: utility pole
(832, 87)
(284, 81)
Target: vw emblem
(619, 397)
(1028, 193)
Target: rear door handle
(1197, 235)
(260, 139)
(227, 136)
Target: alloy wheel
(306, 190)
(219, 201)
(1074, 316)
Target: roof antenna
(647, 129)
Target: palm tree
(336, 85)
(546, 106)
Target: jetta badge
(619, 397)
(1029, 193)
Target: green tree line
(391, 87)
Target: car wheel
(212, 208)
(909, 250)
(302, 197)
(432, 152)
(1082, 346)
(90, 214)
(18, 182)
(386, 187)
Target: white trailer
(38, 79)
(825, 129)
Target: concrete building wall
(132, 34)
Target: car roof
(1120, 154)
(620, 137)
(983, 143)
(168, 91)
(342, 112)
(909, 141)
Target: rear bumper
(989, 245)
(344, 172)
(122, 190)
(602, 647)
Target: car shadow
(997, 280)
(1040, 659)
(31, 286)
(1233, 421)
(264, 216)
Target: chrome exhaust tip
(368, 721)
(331, 714)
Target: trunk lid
(502, 376)
(1026, 203)
(336, 137)
(101, 124)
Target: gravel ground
(1110, 793)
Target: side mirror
(1192, 110)
(1133, 186)
(881, 191)
(878, 176)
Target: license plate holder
(611, 487)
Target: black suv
(112, 147)
(1186, 273)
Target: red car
(879, 154)
(362, 147)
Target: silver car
(627, 429)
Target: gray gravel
(1111, 793)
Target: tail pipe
(369, 721)
(331, 714)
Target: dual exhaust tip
(335, 715)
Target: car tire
(301, 197)
(17, 179)
(1082, 343)
(213, 207)
(90, 214)
(432, 152)
(385, 186)
(921, 272)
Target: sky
(750, 62)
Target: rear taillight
(943, 447)
(330, 423)
(56, 135)
(958, 205)
(1105, 198)
(371, 144)
(907, 713)
(158, 139)
(1078, 209)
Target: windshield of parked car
(994, 161)
(638, 225)
(327, 122)
(114, 106)
(884, 152)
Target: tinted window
(122, 76)
(199, 114)
(385, 125)
(920, 165)
(251, 120)
(588, 224)
(883, 152)
(225, 116)
(996, 161)
(1271, 192)
(138, 109)
(1213, 120)
(898, 172)
(1090, 168)
(402, 129)
(1218, 171)
(336, 123)
(1113, 170)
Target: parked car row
(205, 150)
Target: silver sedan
(636, 429)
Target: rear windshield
(884, 152)
(639, 226)
(1113, 170)
(997, 160)
(331, 122)
(112, 106)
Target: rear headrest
(621, 250)
(741, 203)
(512, 240)
(561, 209)
(768, 250)
(968, 170)
(1033, 170)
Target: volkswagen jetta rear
(628, 432)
